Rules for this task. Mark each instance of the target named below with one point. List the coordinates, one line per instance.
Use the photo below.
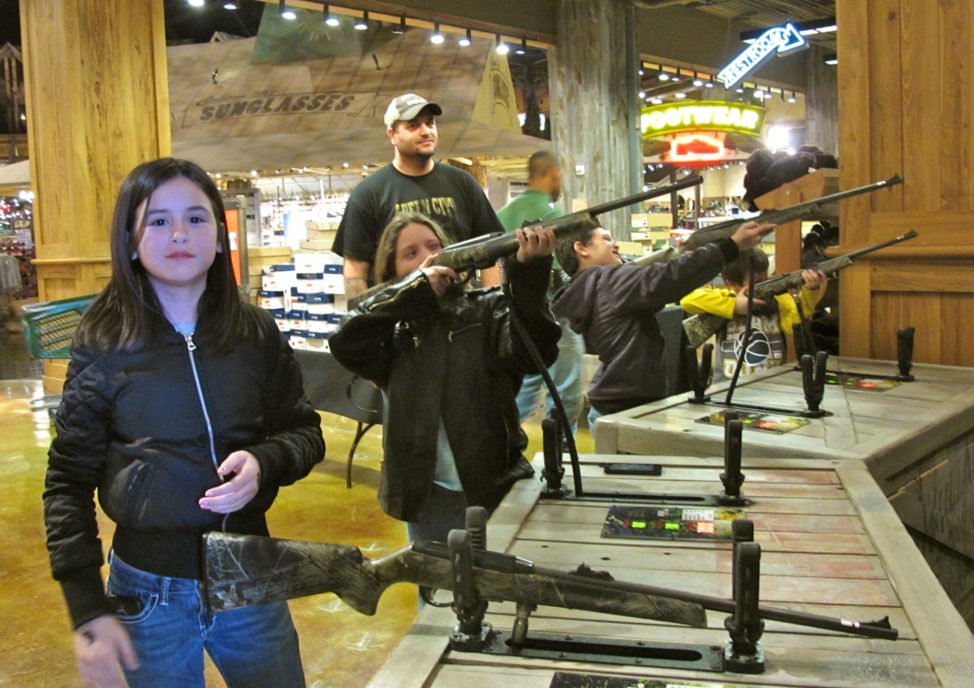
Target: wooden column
(589, 100)
(906, 105)
(821, 109)
(97, 105)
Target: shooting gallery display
(758, 421)
(670, 523)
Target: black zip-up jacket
(614, 307)
(459, 359)
(147, 430)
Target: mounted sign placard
(779, 39)
(703, 115)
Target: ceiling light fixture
(363, 23)
(523, 48)
(697, 81)
(500, 46)
(436, 38)
(791, 98)
(329, 18)
(465, 40)
(195, 3)
(286, 13)
(230, 6)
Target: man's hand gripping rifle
(700, 328)
(484, 252)
(243, 570)
(770, 217)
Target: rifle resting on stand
(243, 570)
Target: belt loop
(164, 593)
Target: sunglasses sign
(780, 40)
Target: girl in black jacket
(450, 363)
(184, 408)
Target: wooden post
(590, 133)
(97, 105)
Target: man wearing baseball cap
(414, 182)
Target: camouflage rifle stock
(484, 252)
(243, 570)
(701, 327)
(769, 217)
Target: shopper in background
(413, 182)
(772, 321)
(536, 203)
(614, 305)
(450, 363)
(184, 408)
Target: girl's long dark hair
(122, 316)
(385, 252)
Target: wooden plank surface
(856, 562)
(901, 425)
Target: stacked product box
(318, 284)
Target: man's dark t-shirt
(448, 195)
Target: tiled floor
(340, 647)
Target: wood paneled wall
(97, 105)
(906, 105)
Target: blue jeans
(566, 373)
(252, 647)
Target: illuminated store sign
(780, 39)
(705, 115)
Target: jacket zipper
(191, 347)
(452, 333)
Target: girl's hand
(234, 494)
(534, 243)
(439, 276)
(101, 647)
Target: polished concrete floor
(340, 647)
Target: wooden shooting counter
(916, 440)
(831, 545)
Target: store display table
(333, 389)
(831, 545)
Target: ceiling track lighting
(523, 48)
(436, 38)
(500, 46)
(465, 40)
(363, 23)
(285, 12)
(400, 29)
(327, 17)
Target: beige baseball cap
(406, 107)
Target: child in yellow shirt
(772, 321)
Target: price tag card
(861, 382)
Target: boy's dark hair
(120, 317)
(565, 250)
(736, 271)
